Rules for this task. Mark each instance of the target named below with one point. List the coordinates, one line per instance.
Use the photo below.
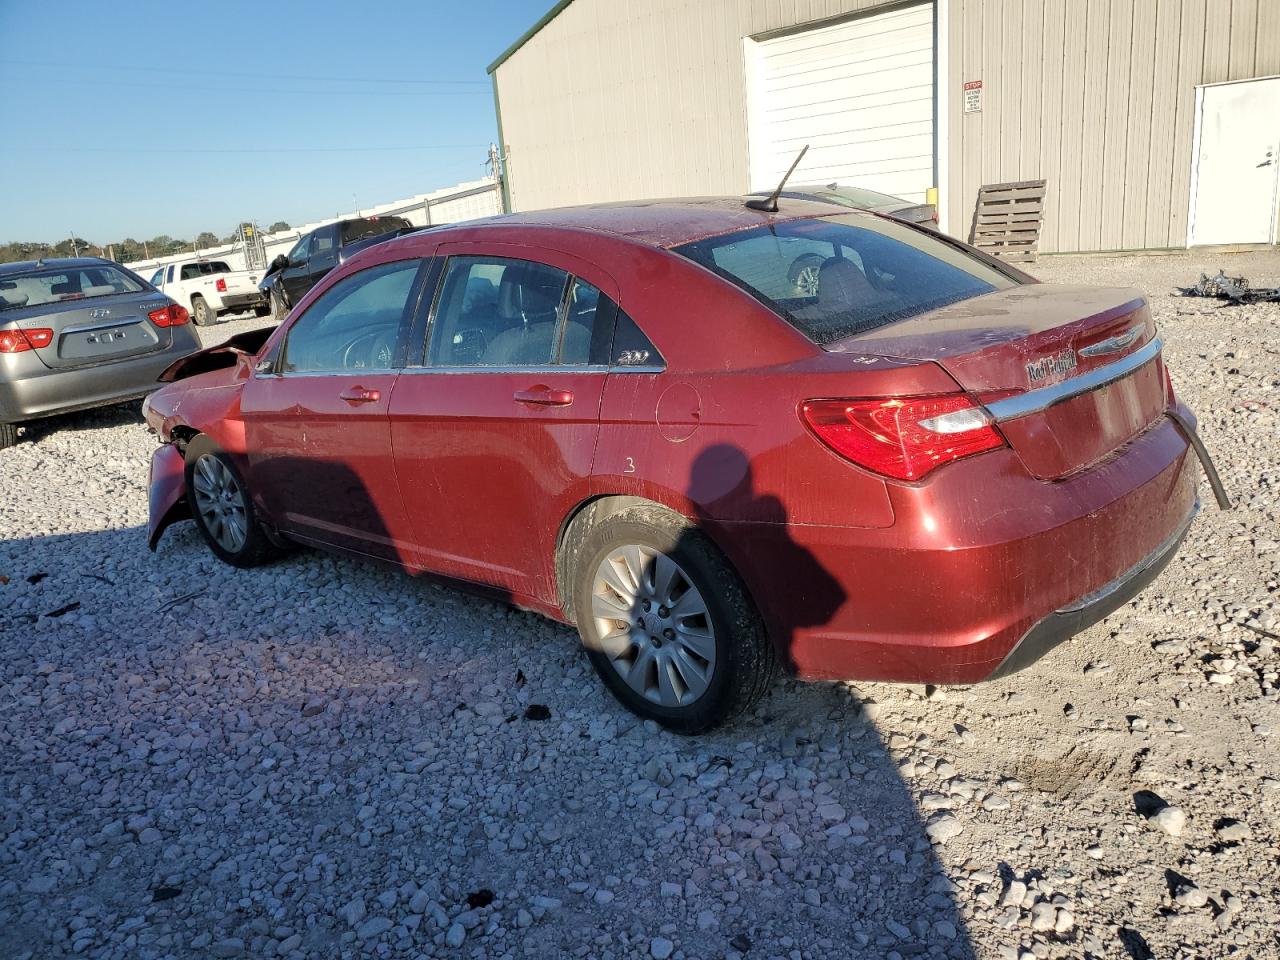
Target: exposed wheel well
(183, 435)
(573, 533)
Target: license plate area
(121, 339)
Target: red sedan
(927, 467)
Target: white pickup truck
(210, 287)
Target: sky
(135, 119)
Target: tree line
(122, 251)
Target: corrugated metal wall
(1098, 98)
(613, 101)
(619, 101)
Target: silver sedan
(81, 332)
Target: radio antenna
(771, 204)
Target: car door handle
(545, 396)
(360, 395)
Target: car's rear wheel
(222, 508)
(8, 435)
(201, 313)
(667, 622)
(262, 310)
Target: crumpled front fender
(168, 492)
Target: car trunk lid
(95, 330)
(1071, 373)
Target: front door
(495, 432)
(317, 433)
(295, 276)
(1237, 163)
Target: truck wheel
(201, 314)
(262, 310)
(8, 435)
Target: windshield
(857, 197)
(53, 286)
(835, 277)
(372, 227)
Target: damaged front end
(167, 482)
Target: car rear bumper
(31, 390)
(243, 301)
(984, 570)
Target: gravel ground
(326, 759)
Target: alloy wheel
(653, 625)
(220, 503)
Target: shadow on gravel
(99, 418)
(327, 750)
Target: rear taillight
(220, 285)
(903, 437)
(170, 316)
(20, 341)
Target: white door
(1237, 162)
(860, 93)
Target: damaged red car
(919, 466)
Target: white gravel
(326, 759)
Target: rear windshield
(53, 286)
(372, 227)
(835, 277)
(191, 271)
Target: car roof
(663, 223)
(53, 263)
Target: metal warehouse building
(1156, 123)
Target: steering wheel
(380, 349)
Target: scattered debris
(1234, 290)
(160, 894)
(170, 604)
(537, 711)
(481, 898)
(34, 578)
(63, 611)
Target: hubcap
(653, 625)
(220, 503)
(807, 281)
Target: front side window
(354, 324)
(299, 252)
(495, 312)
(835, 277)
(158, 277)
(39, 287)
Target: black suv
(291, 275)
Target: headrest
(842, 284)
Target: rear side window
(835, 277)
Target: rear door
(495, 431)
(323, 255)
(316, 423)
(84, 315)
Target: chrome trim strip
(1144, 564)
(86, 328)
(1113, 344)
(550, 370)
(1036, 401)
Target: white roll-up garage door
(860, 93)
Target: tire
(222, 507)
(262, 310)
(201, 313)
(709, 679)
(8, 435)
(803, 273)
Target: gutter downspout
(504, 176)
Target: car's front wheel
(667, 622)
(8, 435)
(202, 313)
(222, 508)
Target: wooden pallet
(1006, 221)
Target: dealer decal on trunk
(1056, 365)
